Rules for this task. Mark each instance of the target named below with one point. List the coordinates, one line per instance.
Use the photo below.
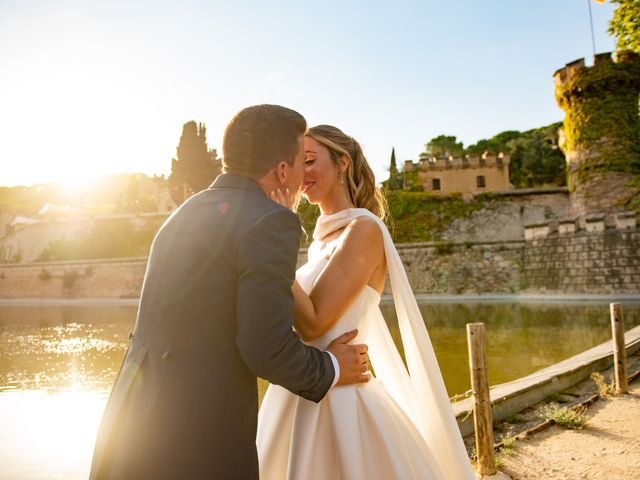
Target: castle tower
(601, 132)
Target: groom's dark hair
(259, 137)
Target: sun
(78, 182)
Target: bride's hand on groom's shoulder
(353, 359)
(284, 198)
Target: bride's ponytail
(361, 183)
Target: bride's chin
(310, 199)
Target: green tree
(196, 165)
(395, 178)
(625, 24)
(443, 146)
(536, 159)
(497, 144)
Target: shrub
(575, 418)
(604, 389)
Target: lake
(58, 362)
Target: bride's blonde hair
(361, 183)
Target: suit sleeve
(267, 256)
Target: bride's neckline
(327, 224)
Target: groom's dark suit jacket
(215, 312)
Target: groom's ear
(281, 172)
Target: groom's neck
(269, 183)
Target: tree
(625, 24)
(443, 146)
(395, 179)
(497, 144)
(536, 159)
(196, 165)
(535, 156)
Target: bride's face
(321, 175)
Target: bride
(400, 425)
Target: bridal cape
(400, 425)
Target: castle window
(435, 184)
(483, 162)
(480, 181)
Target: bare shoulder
(363, 231)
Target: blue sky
(90, 87)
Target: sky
(90, 88)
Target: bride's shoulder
(363, 228)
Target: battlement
(487, 159)
(594, 223)
(574, 69)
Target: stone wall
(504, 217)
(89, 279)
(458, 268)
(566, 259)
(471, 268)
(501, 218)
(598, 259)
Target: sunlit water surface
(57, 364)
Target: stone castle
(467, 175)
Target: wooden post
(619, 349)
(482, 416)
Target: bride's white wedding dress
(400, 425)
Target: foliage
(395, 178)
(411, 182)
(625, 25)
(24, 200)
(134, 199)
(443, 146)
(120, 193)
(423, 216)
(575, 418)
(196, 165)
(107, 239)
(497, 144)
(601, 104)
(509, 443)
(515, 418)
(536, 158)
(414, 216)
(604, 389)
(308, 214)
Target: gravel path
(607, 448)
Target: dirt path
(607, 448)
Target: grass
(604, 389)
(508, 448)
(567, 417)
(509, 443)
(515, 418)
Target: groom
(215, 313)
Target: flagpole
(593, 37)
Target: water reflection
(57, 365)
(521, 337)
(62, 346)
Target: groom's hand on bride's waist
(352, 359)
